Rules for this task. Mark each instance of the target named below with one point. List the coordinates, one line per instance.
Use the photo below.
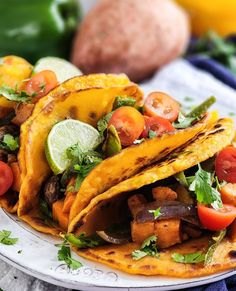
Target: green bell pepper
(39, 28)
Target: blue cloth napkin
(228, 284)
(215, 68)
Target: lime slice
(62, 68)
(64, 135)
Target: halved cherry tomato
(214, 219)
(129, 124)
(225, 165)
(41, 84)
(6, 178)
(161, 104)
(157, 124)
(228, 194)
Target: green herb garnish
(185, 120)
(193, 258)
(202, 187)
(103, 122)
(83, 241)
(123, 101)
(13, 95)
(152, 134)
(6, 239)
(156, 212)
(64, 254)
(9, 143)
(148, 248)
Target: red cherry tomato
(157, 124)
(160, 104)
(225, 165)
(41, 84)
(129, 124)
(6, 177)
(216, 219)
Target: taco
(175, 217)
(20, 90)
(81, 141)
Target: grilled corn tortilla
(86, 98)
(203, 146)
(130, 161)
(119, 257)
(98, 215)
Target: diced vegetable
(225, 165)
(141, 231)
(161, 105)
(135, 203)
(6, 178)
(112, 143)
(228, 194)
(163, 194)
(216, 219)
(157, 125)
(129, 124)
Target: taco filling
(180, 211)
(75, 149)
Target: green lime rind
(65, 134)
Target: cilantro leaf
(151, 134)
(156, 212)
(193, 258)
(123, 101)
(202, 187)
(9, 142)
(148, 248)
(64, 254)
(103, 122)
(213, 245)
(83, 241)
(13, 95)
(6, 239)
(183, 121)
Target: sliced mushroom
(52, 190)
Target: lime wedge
(63, 69)
(65, 134)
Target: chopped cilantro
(6, 239)
(83, 241)
(148, 248)
(213, 245)
(183, 121)
(19, 252)
(152, 134)
(123, 101)
(193, 258)
(202, 187)
(9, 142)
(64, 254)
(13, 95)
(156, 212)
(103, 122)
(232, 114)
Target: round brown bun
(130, 36)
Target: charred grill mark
(110, 253)
(218, 125)
(111, 261)
(73, 112)
(49, 108)
(93, 115)
(215, 132)
(141, 160)
(127, 256)
(146, 267)
(64, 95)
(165, 151)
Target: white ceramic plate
(38, 256)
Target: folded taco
(21, 87)
(81, 141)
(175, 217)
